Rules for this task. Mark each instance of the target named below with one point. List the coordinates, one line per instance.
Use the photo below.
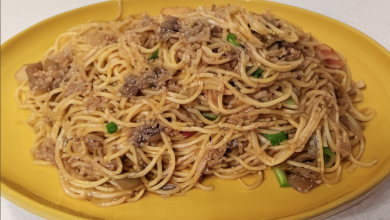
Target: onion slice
(175, 10)
(360, 84)
(353, 125)
(21, 74)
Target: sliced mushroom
(305, 173)
(301, 184)
(127, 183)
(303, 157)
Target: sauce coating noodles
(154, 104)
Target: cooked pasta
(156, 104)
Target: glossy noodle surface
(157, 104)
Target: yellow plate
(36, 188)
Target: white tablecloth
(370, 17)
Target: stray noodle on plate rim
(158, 103)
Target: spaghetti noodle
(153, 104)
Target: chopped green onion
(329, 157)
(258, 73)
(231, 38)
(281, 176)
(111, 127)
(289, 101)
(326, 158)
(276, 138)
(154, 55)
(210, 116)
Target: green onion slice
(329, 157)
(258, 73)
(111, 127)
(289, 101)
(154, 55)
(210, 116)
(276, 138)
(281, 176)
(231, 38)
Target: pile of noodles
(209, 74)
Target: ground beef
(234, 57)
(264, 39)
(266, 95)
(277, 52)
(155, 78)
(144, 134)
(92, 103)
(173, 87)
(215, 156)
(219, 12)
(110, 165)
(64, 59)
(158, 77)
(235, 143)
(216, 31)
(99, 38)
(132, 85)
(56, 83)
(45, 151)
(198, 30)
(169, 25)
(93, 141)
(233, 119)
(79, 86)
(284, 51)
(271, 19)
(171, 132)
(148, 21)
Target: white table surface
(370, 17)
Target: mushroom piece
(301, 184)
(127, 183)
